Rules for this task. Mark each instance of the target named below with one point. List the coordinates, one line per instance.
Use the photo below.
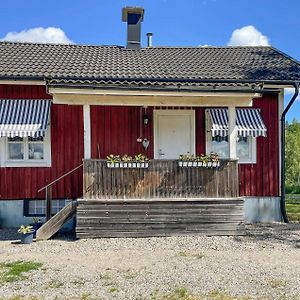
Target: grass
(184, 294)
(55, 284)
(293, 208)
(275, 283)
(10, 272)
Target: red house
(64, 105)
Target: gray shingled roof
(157, 65)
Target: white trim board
(177, 112)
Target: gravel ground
(263, 264)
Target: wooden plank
(159, 218)
(56, 222)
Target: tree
(292, 155)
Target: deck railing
(164, 179)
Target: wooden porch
(161, 200)
(163, 179)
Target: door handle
(160, 153)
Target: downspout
(282, 188)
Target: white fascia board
(119, 92)
(23, 82)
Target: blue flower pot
(35, 227)
(27, 238)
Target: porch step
(149, 218)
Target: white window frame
(18, 163)
(252, 141)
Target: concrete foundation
(262, 209)
(12, 216)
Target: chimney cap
(149, 33)
(132, 10)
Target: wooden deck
(162, 200)
(147, 218)
(163, 179)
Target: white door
(174, 133)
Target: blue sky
(173, 22)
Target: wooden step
(146, 218)
(56, 222)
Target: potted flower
(141, 161)
(26, 234)
(126, 161)
(36, 224)
(113, 161)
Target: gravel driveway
(264, 264)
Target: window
(245, 147)
(37, 208)
(26, 151)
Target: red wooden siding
(115, 129)
(66, 148)
(262, 178)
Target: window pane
(220, 145)
(36, 151)
(15, 150)
(243, 148)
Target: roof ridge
(59, 44)
(123, 47)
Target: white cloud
(39, 34)
(248, 36)
(290, 91)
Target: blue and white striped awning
(24, 117)
(248, 122)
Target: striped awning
(24, 117)
(248, 122)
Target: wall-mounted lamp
(146, 119)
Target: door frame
(174, 112)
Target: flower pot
(27, 238)
(184, 163)
(180, 163)
(35, 227)
(195, 164)
(146, 165)
(138, 164)
(190, 164)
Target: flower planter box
(198, 164)
(128, 165)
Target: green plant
(214, 157)
(36, 220)
(14, 271)
(126, 158)
(113, 158)
(140, 158)
(25, 229)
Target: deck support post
(232, 133)
(48, 202)
(87, 131)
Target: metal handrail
(59, 178)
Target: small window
(26, 151)
(37, 208)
